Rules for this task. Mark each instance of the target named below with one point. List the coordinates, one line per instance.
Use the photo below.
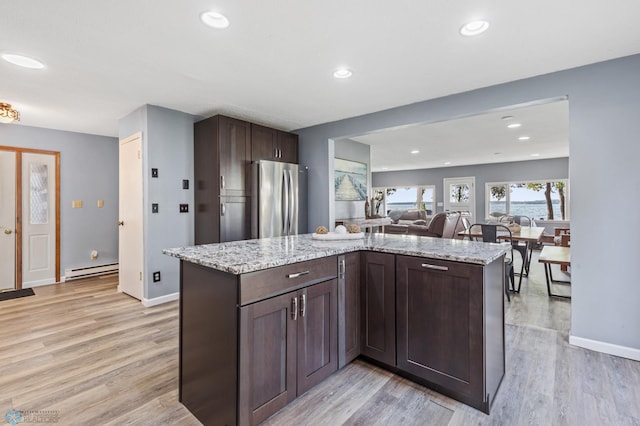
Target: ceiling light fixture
(514, 125)
(524, 138)
(535, 155)
(214, 19)
(8, 114)
(474, 28)
(446, 163)
(415, 151)
(23, 61)
(342, 73)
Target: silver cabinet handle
(222, 181)
(294, 308)
(223, 209)
(436, 267)
(342, 267)
(298, 274)
(303, 305)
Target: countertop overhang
(241, 257)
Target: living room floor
(90, 355)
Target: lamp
(8, 114)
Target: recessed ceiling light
(446, 163)
(514, 125)
(535, 155)
(214, 19)
(415, 151)
(23, 61)
(524, 138)
(342, 73)
(474, 28)
(384, 168)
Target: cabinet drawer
(260, 285)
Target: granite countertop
(240, 257)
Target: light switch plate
(154, 208)
(154, 173)
(100, 204)
(76, 204)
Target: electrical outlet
(154, 208)
(154, 173)
(184, 208)
(156, 276)
(185, 183)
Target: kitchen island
(262, 321)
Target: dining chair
(490, 235)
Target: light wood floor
(98, 357)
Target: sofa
(443, 225)
(402, 219)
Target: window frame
(383, 189)
(507, 199)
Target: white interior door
(460, 195)
(38, 219)
(130, 246)
(7, 220)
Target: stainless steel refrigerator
(275, 193)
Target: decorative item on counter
(340, 229)
(373, 207)
(353, 229)
(321, 230)
(367, 209)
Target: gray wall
(348, 149)
(556, 168)
(167, 144)
(88, 172)
(604, 103)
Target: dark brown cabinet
(222, 157)
(289, 344)
(443, 324)
(348, 308)
(378, 307)
(272, 144)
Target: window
(408, 198)
(543, 200)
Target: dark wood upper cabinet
(272, 144)
(222, 158)
(378, 307)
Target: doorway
(29, 217)
(460, 195)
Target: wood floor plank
(97, 356)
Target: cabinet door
(234, 219)
(263, 143)
(268, 333)
(348, 308)
(287, 147)
(440, 323)
(317, 334)
(235, 156)
(378, 304)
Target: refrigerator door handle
(291, 204)
(285, 201)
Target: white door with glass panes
(460, 195)
(38, 219)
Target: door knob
(8, 231)
(120, 223)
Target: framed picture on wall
(350, 180)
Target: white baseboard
(160, 300)
(607, 348)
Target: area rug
(14, 294)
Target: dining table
(530, 235)
(555, 255)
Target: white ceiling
(479, 139)
(274, 64)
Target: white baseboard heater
(90, 271)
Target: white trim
(160, 300)
(607, 348)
